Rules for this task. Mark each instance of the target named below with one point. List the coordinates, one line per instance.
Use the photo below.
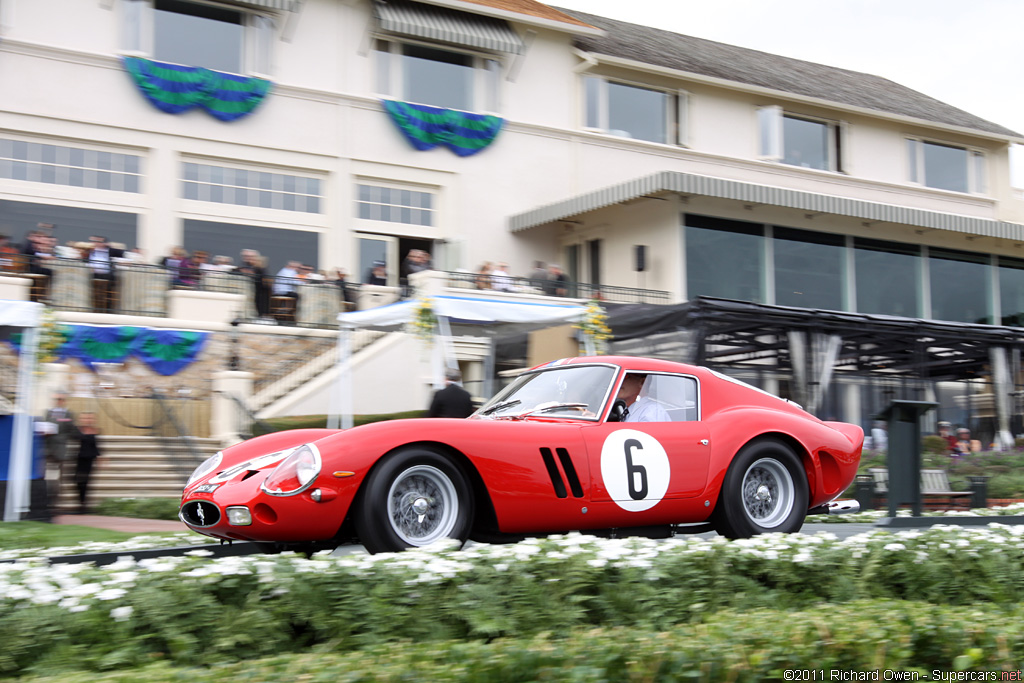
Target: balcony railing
(142, 289)
(572, 290)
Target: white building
(744, 175)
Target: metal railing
(548, 287)
(245, 419)
(182, 451)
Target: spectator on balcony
(254, 268)
(224, 264)
(501, 281)
(483, 276)
(104, 276)
(378, 274)
(557, 283)
(539, 274)
(346, 290)
(287, 280)
(38, 251)
(8, 254)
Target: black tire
(413, 498)
(765, 490)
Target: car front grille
(200, 513)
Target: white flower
(122, 613)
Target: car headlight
(209, 465)
(295, 473)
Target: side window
(677, 395)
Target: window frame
(975, 166)
(429, 230)
(676, 114)
(259, 28)
(389, 77)
(771, 137)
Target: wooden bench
(934, 484)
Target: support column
(226, 416)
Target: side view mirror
(618, 409)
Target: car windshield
(572, 391)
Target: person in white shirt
(640, 409)
(501, 281)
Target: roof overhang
(458, 27)
(720, 188)
(280, 5)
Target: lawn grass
(44, 535)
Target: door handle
(704, 442)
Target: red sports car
(604, 444)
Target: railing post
(224, 415)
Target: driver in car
(640, 408)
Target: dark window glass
(437, 77)
(959, 286)
(888, 276)
(805, 143)
(724, 258)
(945, 167)
(277, 244)
(637, 112)
(809, 269)
(195, 34)
(1011, 291)
(72, 224)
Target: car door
(638, 464)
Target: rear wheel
(765, 489)
(413, 498)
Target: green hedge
(140, 508)
(741, 645)
(278, 424)
(195, 609)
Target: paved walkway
(130, 524)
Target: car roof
(628, 363)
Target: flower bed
(194, 609)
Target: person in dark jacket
(453, 400)
(88, 451)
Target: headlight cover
(209, 465)
(295, 473)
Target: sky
(967, 53)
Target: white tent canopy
(24, 315)
(467, 315)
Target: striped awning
(282, 5)
(707, 186)
(451, 26)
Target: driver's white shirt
(646, 409)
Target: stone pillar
(15, 288)
(52, 378)
(227, 419)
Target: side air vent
(556, 476)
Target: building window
(633, 111)
(59, 165)
(422, 74)
(1011, 291)
(888, 276)
(224, 185)
(799, 140)
(946, 167)
(198, 33)
(809, 269)
(960, 286)
(276, 245)
(725, 258)
(394, 205)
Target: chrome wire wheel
(768, 492)
(423, 505)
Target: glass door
(376, 251)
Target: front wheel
(413, 498)
(765, 489)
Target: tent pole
(19, 471)
(345, 379)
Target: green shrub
(934, 444)
(278, 424)
(141, 508)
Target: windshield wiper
(501, 406)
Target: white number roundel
(635, 469)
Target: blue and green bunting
(427, 127)
(166, 352)
(174, 89)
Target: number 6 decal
(635, 469)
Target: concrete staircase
(136, 467)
